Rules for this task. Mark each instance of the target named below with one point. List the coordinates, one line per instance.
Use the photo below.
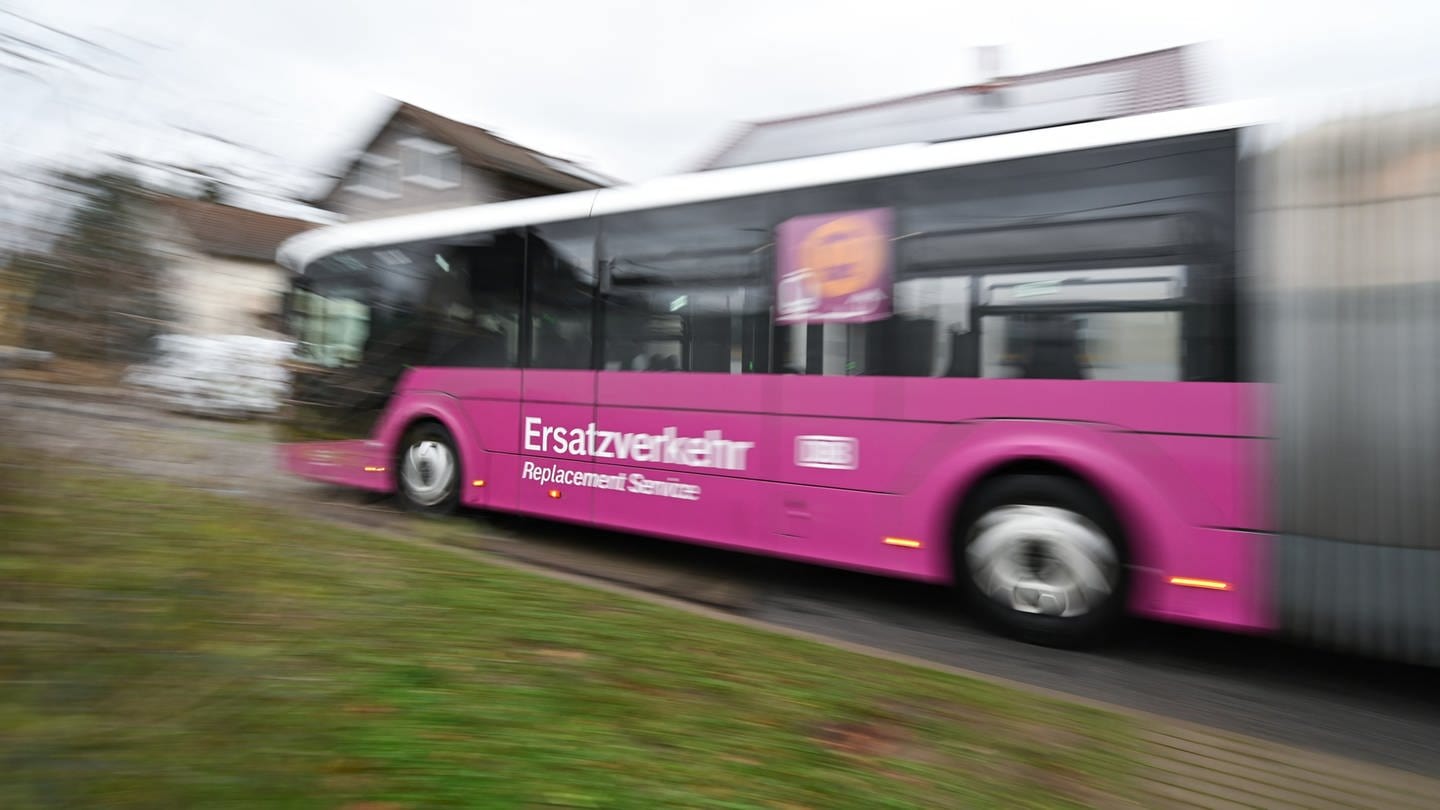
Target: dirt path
(118, 431)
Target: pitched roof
(224, 230)
(481, 147)
(1128, 85)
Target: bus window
(330, 311)
(1044, 346)
(717, 328)
(330, 329)
(561, 271)
(475, 301)
(1106, 324)
(932, 328)
(831, 349)
(687, 289)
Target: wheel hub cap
(428, 472)
(1042, 560)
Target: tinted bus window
(933, 327)
(1108, 264)
(561, 262)
(359, 320)
(688, 289)
(474, 301)
(1103, 324)
(399, 320)
(330, 313)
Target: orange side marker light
(1206, 584)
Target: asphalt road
(1338, 704)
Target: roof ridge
(1178, 57)
(484, 131)
(179, 201)
(975, 87)
(221, 229)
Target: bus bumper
(355, 463)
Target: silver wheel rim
(1042, 560)
(428, 472)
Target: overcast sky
(634, 89)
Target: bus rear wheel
(1039, 559)
(429, 471)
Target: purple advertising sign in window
(835, 268)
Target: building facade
(421, 161)
(220, 267)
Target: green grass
(163, 648)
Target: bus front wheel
(1039, 559)
(428, 478)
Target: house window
(429, 164)
(377, 177)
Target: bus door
(557, 414)
(684, 402)
(684, 386)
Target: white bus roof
(307, 247)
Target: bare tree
(99, 292)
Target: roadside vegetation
(167, 648)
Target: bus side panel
(745, 447)
(1188, 408)
(865, 455)
(563, 401)
(846, 397)
(836, 493)
(497, 424)
(708, 509)
(1162, 542)
(1211, 479)
(852, 529)
(843, 452)
(716, 503)
(1240, 559)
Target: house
(221, 259)
(223, 279)
(420, 161)
(1129, 85)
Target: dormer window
(427, 163)
(376, 176)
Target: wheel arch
(1142, 512)
(441, 409)
(1030, 466)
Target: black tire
(1076, 517)
(432, 486)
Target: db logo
(827, 452)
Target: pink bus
(1015, 363)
